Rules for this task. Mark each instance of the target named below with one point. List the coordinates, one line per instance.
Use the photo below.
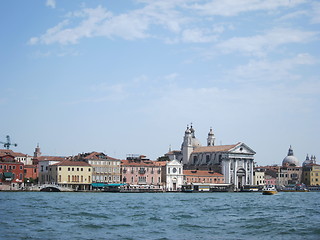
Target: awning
(8, 176)
(99, 185)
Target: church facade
(234, 161)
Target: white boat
(269, 190)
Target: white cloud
(51, 3)
(235, 7)
(315, 14)
(101, 22)
(265, 71)
(260, 45)
(198, 36)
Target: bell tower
(186, 147)
(37, 152)
(211, 138)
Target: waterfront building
(311, 172)
(234, 162)
(173, 175)
(71, 174)
(270, 178)
(31, 173)
(44, 162)
(11, 173)
(290, 172)
(138, 171)
(105, 169)
(259, 177)
(19, 157)
(202, 176)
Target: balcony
(142, 171)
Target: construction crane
(8, 143)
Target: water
(40, 215)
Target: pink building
(142, 171)
(270, 180)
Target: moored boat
(269, 190)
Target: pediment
(174, 162)
(242, 148)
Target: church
(234, 161)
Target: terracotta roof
(220, 148)
(160, 163)
(73, 163)
(10, 152)
(140, 163)
(201, 173)
(50, 158)
(174, 152)
(95, 156)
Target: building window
(13, 167)
(78, 169)
(68, 169)
(81, 169)
(21, 167)
(59, 168)
(72, 169)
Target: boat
(269, 190)
(295, 188)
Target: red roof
(73, 163)
(201, 173)
(220, 148)
(10, 152)
(50, 158)
(141, 163)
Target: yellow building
(72, 174)
(311, 175)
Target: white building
(174, 175)
(234, 161)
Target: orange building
(202, 176)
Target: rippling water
(39, 215)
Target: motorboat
(269, 190)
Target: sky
(127, 77)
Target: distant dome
(307, 161)
(195, 142)
(290, 159)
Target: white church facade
(234, 161)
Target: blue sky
(127, 77)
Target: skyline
(127, 77)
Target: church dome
(195, 143)
(290, 159)
(307, 161)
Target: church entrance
(241, 173)
(174, 186)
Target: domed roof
(290, 159)
(195, 142)
(307, 161)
